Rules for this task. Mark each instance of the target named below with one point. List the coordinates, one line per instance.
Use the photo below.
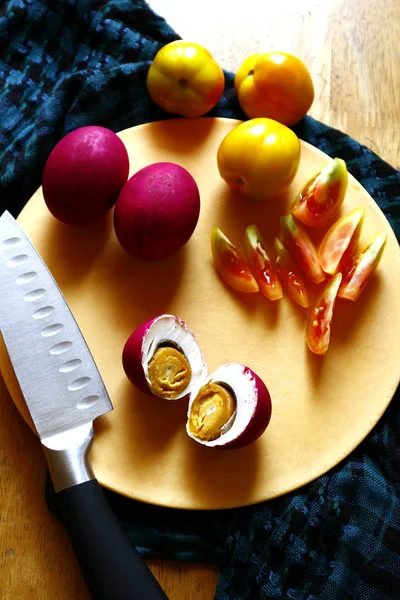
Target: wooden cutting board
(323, 407)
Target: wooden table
(352, 50)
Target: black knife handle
(110, 564)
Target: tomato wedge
(296, 239)
(289, 275)
(320, 317)
(341, 241)
(230, 264)
(319, 201)
(364, 263)
(262, 266)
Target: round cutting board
(323, 407)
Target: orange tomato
(339, 244)
(230, 264)
(185, 79)
(290, 275)
(318, 333)
(259, 158)
(358, 273)
(296, 239)
(263, 267)
(276, 85)
(320, 199)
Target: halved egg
(162, 357)
(230, 409)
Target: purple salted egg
(157, 211)
(231, 408)
(162, 357)
(84, 174)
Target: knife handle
(111, 566)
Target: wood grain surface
(351, 49)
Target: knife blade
(65, 393)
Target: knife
(64, 394)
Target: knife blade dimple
(26, 278)
(17, 260)
(51, 330)
(53, 364)
(9, 242)
(43, 312)
(34, 295)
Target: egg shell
(142, 343)
(157, 211)
(84, 174)
(253, 406)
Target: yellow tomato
(276, 85)
(259, 158)
(185, 79)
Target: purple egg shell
(84, 174)
(132, 357)
(157, 211)
(259, 420)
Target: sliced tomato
(289, 275)
(356, 277)
(319, 201)
(230, 264)
(340, 241)
(320, 317)
(262, 266)
(297, 241)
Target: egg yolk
(169, 372)
(211, 410)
